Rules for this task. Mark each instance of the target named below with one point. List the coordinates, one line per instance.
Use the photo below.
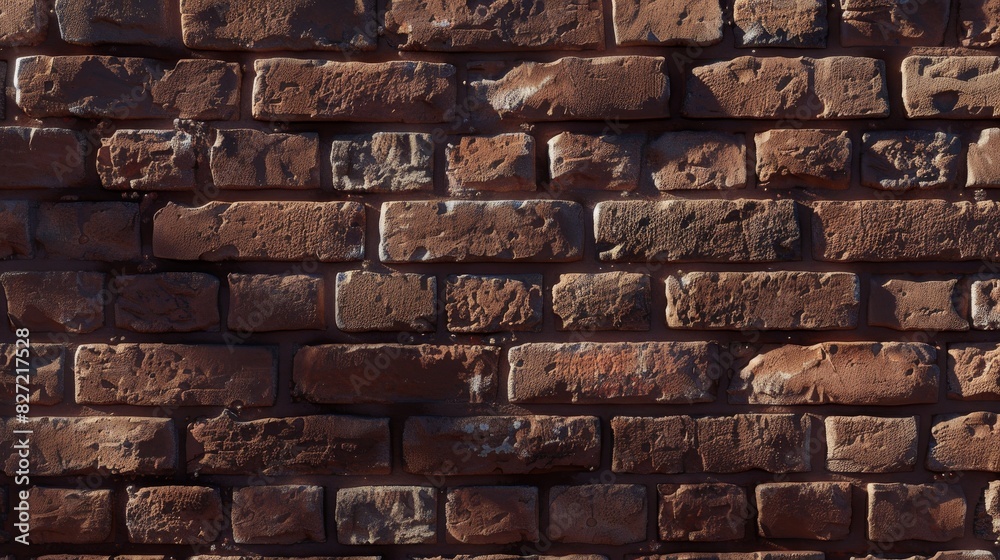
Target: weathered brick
(337, 445)
(166, 302)
(574, 88)
(175, 375)
(652, 445)
(610, 514)
(804, 510)
(702, 512)
(251, 159)
(173, 515)
(93, 22)
(696, 160)
(383, 162)
(697, 231)
(954, 87)
(372, 301)
(974, 371)
(25, 23)
(16, 237)
(492, 514)
(485, 304)
(315, 90)
(969, 442)
(914, 303)
(272, 302)
(892, 23)
(763, 555)
(387, 515)
(837, 87)
(900, 161)
(696, 22)
(108, 87)
(774, 23)
(278, 514)
(774, 443)
(276, 231)
(107, 231)
(473, 231)
(148, 160)
(871, 444)
(501, 163)
(600, 162)
(979, 23)
(763, 300)
(42, 158)
(55, 301)
(47, 367)
(390, 373)
(604, 301)
(624, 372)
(803, 158)
(230, 25)
(987, 522)
(850, 373)
(500, 444)
(119, 445)
(62, 515)
(905, 230)
(891, 508)
(982, 169)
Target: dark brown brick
(134, 22)
(492, 514)
(383, 162)
(953, 87)
(62, 515)
(987, 522)
(892, 507)
(501, 163)
(55, 301)
(804, 510)
(42, 158)
(969, 442)
(485, 304)
(278, 514)
(107, 231)
(979, 23)
(707, 512)
(974, 371)
(173, 515)
(167, 302)
(608, 514)
(698, 22)
(803, 158)
(25, 23)
(689, 160)
(149, 160)
(372, 301)
(774, 23)
(652, 445)
(47, 368)
(774, 443)
(387, 515)
(605, 301)
(983, 170)
(599, 162)
(871, 444)
(899, 161)
(915, 303)
(251, 159)
(890, 23)
(272, 302)
(16, 237)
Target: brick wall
(570, 280)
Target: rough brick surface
(652, 445)
(900, 161)
(145, 160)
(505, 162)
(387, 515)
(278, 514)
(891, 507)
(951, 87)
(48, 367)
(987, 523)
(890, 23)
(983, 170)
(806, 510)
(173, 514)
(696, 160)
(25, 23)
(492, 514)
(106, 231)
(16, 239)
(803, 158)
(761, 23)
(167, 302)
(969, 442)
(698, 22)
(91, 22)
(609, 514)
(484, 304)
(55, 301)
(269, 302)
(599, 162)
(706, 512)
(974, 371)
(383, 162)
(608, 301)
(42, 158)
(775, 443)
(979, 23)
(869, 444)
(249, 159)
(914, 303)
(62, 515)
(371, 301)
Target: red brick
(763, 555)
(652, 445)
(485, 304)
(175, 375)
(983, 170)
(274, 231)
(974, 371)
(987, 522)
(501, 163)
(272, 302)
(278, 514)
(42, 158)
(338, 445)
(492, 514)
(92, 22)
(871, 444)
(953, 87)
(600, 162)
(910, 303)
(608, 514)
(128, 88)
(689, 160)
(622, 372)
(803, 158)
(702, 512)
(387, 515)
(251, 159)
(60, 515)
(891, 23)
(47, 367)
(969, 442)
(899, 161)
(55, 301)
(637, 22)
(383, 162)
(173, 515)
(149, 160)
(391, 373)
(16, 237)
(473, 231)
(774, 443)
(500, 444)
(979, 23)
(166, 302)
(892, 517)
(25, 23)
(606, 301)
(697, 231)
(772, 23)
(804, 510)
(107, 231)
(371, 301)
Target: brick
(387, 515)
(492, 514)
(229, 25)
(890, 23)
(474, 231)
(486, 304)
(613, 372)
(278, 514)
(849, 373)
(371, 301)
(915, 303)
(119, 445)
(60, 515)
(969, 442)
(637, 22)
(3, 102)
(974, 371)
(574, 88)
(987, 521)
(803, 158)
(251, 159)
(175, 375)
(905, 230)
(871, 444)
(391, 373)
(763, 300)
(697, 231)
(891, 506)
(772, 23)
(500, 444)
(106, 231)
(272, 302)
(16, 237)
(696, 160)
(978, 23)
(774, 443)
(501, 163)
(42, 158)
(251, 231)
(47, 363)
(173, 515)
(764, 555)
(506, 26)
(92, 22)
(127, 88)
(609, 514)
(708, 512)
(392, 92)
(383, 162)
(605, 301)
(953, 87)
(899, 161)
(982, 170)
(166, 302)
(804, 510)
(337, 445)
(599, 162)
(25, 23)
(652, 445)
(55, 301)
(149, 160)
(836, 87)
